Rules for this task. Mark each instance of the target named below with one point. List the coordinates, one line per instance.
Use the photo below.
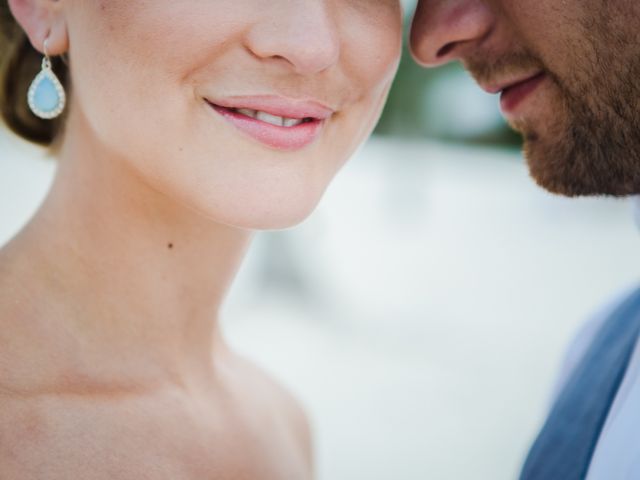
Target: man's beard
(593, 148)
(592, 145)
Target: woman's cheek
(374, 46)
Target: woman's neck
(119, 266)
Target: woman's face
(188, 93)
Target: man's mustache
(488, 71)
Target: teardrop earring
(46, 94)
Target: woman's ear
(42, 19)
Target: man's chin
(546, 167)
(563, 169)
(549, 171)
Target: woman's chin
(278, 219)
(263, 216)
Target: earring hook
(46, 47)
(46, 62)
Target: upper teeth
(270, 119)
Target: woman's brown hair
(19, 64)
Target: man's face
(569, 77)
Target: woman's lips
(276, 125)
(513, 95)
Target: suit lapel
(565, 445)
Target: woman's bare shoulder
(284, 402)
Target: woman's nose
(301, 33)
(446, 30)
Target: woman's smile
(277, 122)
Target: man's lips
(497, 87)
(277, 122)
(512, 96)
(513, 92)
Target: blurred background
(422, 312)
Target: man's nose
(446, 30)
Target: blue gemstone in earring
(46, 95)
